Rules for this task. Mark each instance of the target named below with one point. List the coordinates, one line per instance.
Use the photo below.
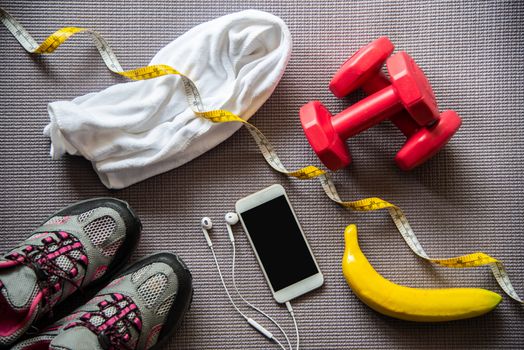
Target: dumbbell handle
(402, 120)
(366, 113)
(375, 83)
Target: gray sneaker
(79, 248)
(138, 310)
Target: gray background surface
(468, 198)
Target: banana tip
(349, 231)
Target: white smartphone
(279, 243)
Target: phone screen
(279, 243)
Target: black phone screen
(279, 243)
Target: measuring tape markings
(194, 99)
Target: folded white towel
(136, 130)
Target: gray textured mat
(469, 197)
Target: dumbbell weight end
(428, 141)
(327, 144)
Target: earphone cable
(224, 285)
(279, 343)
(270, 336)
(290, 309)
(253, 306)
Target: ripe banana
(412, 304)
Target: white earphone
(207, 225)
(232, 219)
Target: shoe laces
(113, 322)
(42, 259)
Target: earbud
(231, 219)
(207, 225)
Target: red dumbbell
(363, 70)
(409, 90)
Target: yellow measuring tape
(222, 116)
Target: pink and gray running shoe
(80, 248)
(139, 310)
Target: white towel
(136, 130)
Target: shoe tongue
(75, 338)
(20, 283)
